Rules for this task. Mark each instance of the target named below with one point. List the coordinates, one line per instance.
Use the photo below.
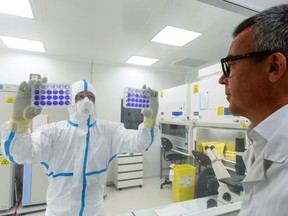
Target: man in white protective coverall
(75, 152)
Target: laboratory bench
(195, 207)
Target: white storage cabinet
(128, 170)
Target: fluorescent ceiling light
(141, 60)
(23, 44)
(175, 36)
(16, 7)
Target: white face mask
(85, 107)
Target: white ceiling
(111, 31)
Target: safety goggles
(83, 94)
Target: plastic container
(183, 186)
(171, 172)
(230, 155)
(135, 98)
(51, 95)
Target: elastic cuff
(149, 122)
(18, 126)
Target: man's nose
(222, 79)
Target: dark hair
(270, 29)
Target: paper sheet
(176, 210)
(204, 98)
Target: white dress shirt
(266, 160)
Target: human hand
(23, 112)
(150, 114)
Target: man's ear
(277, 67)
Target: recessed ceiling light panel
(175, 36)
(16, 7)
(141, 60)
(23, 44)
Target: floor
(133, 198)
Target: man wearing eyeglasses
(255, 75)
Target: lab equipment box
(128, 170)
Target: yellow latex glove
(23, 112)
(151, 113)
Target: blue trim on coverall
(84, 169)
(7, 147)
(85, 85)
(152, 137)
(45, 165)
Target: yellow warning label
(195, 89)
(4, 161)
(161, 94)
(220, 111)
(10, 99)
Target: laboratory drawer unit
(128, 170)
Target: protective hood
(82, 85)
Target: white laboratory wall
(110, 80)
(203, 71)
(16, 67)
(191, 76)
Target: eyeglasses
(226, 65)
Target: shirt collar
(271, 124)
(263, 133)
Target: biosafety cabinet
(213, 122)
(174, 104)
(180, 134)
(197, 114)
(202, 101)
(187, 136)
(208, 104)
